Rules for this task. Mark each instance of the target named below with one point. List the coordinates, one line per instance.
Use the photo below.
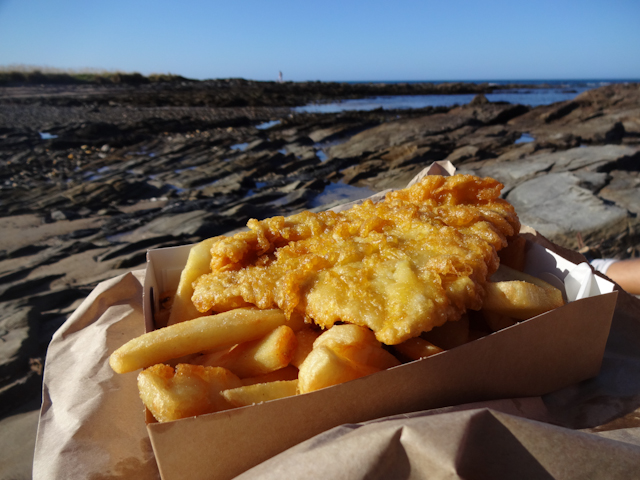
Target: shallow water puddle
(180, 170)
(239, 146)
(525, 138)
(340, 192)
(253, 191)
(531, 97)
(267, 125)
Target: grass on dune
(20, 74)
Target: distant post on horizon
(280, 77)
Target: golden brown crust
(399, 267)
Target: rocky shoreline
(91, 177)
(232, 92)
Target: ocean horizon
(591, 82)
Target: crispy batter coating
(401, 266)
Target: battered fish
(401, 266)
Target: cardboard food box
(531, 358)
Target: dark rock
(558, 140)
(557, 207)
(520, 151)
(479, 99)
(293, 165)
(139, 246)
(595, 117)
(15, 275)
(462, 154)
(19, 342)
(25, 251)
(295, 200)
(560, 111)
(194, 223)
(363, 170)
(599, 130)
(27, 287)
(593, 181)
(108, 211)
(396, 133)
(623, 190)
(490, 113)
(596, 158)
(315, 185)
(333, 132)
(82, 233)
(395, 178)
(512, 174)
(240, 213)
(58, 215)
(56, 299)
(55, 254)
(18, 392)
(137, 259)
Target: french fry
(187, 391)
(358, 344)
(260, 392)
(296, 322)
(519, 295)
(213, 358)
(343, 353)
(417, 348)
(514, 254)
(497, 321)
(306, 337)
(506, 274)
(203, 333)
(323, 368)
(520, 300)
(198, 264)
(449, 335)
(258, 357)
(287, 373)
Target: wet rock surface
(232, 92)
(90, 178)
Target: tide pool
(530, 97)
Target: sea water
(533, 93)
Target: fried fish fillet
(401, 266)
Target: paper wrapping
(92, 423)
(490, 441)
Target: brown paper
(92, 425)
(501, 439)
(91, 421)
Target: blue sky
(329, 40)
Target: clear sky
(326, 40)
